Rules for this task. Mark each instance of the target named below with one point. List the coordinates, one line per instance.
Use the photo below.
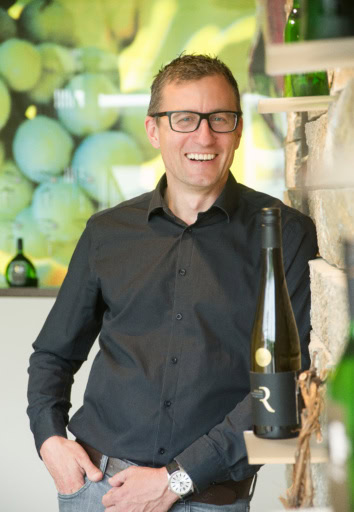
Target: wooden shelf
(279, 451)
(281, 59)
(296, 104)
(28, 292)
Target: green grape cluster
(69, 143)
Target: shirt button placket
(181, 292)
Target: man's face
(209, 94)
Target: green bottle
(327, 19)
(21, 271)
(304, 84)
(341, 412)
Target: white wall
(25, 483)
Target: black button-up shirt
(173, 306)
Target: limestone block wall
(319, 155)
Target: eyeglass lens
(188, 121)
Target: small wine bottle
(302, 84)
(21, 271)
(340, 412)
(275, 345)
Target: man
(169, 282)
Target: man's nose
(204, 133)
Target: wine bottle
(21, 271)
(327, 19)
(302, 84)
(341, 411)
(275, 345)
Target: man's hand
(139, 489)
(68, 463)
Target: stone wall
(319, 176)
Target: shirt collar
(226, 202)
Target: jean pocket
(86, 485)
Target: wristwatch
(179, 481)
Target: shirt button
(161, 451)
(179, 316)
(174, 360)
(167, 403)
(189, 230)
(182, 271)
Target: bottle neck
(271, 236)
(272, 253)
(20, 245)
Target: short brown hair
(187, 68)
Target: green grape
(58, 63)
(20, 64)
(41, 21)
(42, 148)
(15, 190)
(79, 107)
(61, 209)
(96, 60)
(99, 159)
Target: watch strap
(172, 467)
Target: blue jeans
(89, 499)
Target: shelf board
(296, 104)
(279, 451)
(304, 56)
(28, 292)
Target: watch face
(180, 483)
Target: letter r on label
(264, 400)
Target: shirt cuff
(202, 463)
(47, 426)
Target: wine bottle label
(274, 399)
(263, 357)
(17, 273)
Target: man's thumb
(92, 472)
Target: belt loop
(103, 464)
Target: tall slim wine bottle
(21, 271)
(275, 347)
(302, 84)
(341, 412)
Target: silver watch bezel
(172, 476)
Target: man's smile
(201, 156)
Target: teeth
(200, 156)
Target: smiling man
(168, 281)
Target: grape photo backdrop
(75, 77)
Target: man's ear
(238, 133)
(152, 131)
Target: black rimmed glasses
(185, 121)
